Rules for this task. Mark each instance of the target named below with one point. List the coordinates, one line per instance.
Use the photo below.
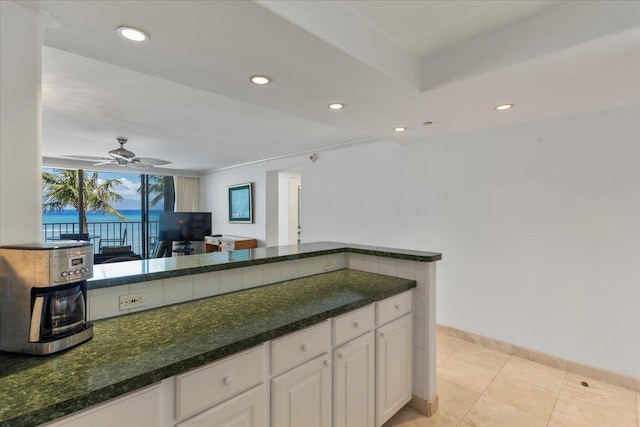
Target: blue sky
(127, 189)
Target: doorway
(284, 189)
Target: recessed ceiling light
(260, 80)
(336, 106)
(427, 123)
(400, 129)
(132, 34)
(503, 107)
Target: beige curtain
(187, 194)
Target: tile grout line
(557, 398)
(474, 402)
(485, 389)
(517, 379)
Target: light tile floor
(481, 387)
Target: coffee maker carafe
(43, 296)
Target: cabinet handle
(340, 354)
(382, 334)
(397, 306)
(326, 363)
(227, 380)
(356, 324)
(304, 347)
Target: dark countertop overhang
(106, 275)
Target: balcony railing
(104, 233)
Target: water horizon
(71, 216)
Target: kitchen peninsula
(322, 299)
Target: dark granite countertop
(135, 350)
(123, 273)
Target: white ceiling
(424, 27)
(87, 103)
(185, 95)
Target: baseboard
(425, 407)
(631, 383)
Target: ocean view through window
(113, 216)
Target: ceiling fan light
(122, 154)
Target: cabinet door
(354, 383)
(393, 367)
(245, 410)
(302, 397)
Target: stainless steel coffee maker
(43, 296)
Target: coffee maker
(43, 296)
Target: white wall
(20, 120)
(539, 226)
(213, 197)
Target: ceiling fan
(123, 157)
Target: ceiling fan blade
(89, 158)
(122, 157)
(136, 165)
(151, 161)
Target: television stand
(186, 248)
(228, 243)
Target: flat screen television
(184, 226)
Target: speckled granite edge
(137, 382)
(214, 261)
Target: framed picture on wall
(241, 203)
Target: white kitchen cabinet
(354, 383)
(246, 410)
(297, 380)
(393, 367)
(140, 408)
(301, 397)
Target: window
(109, 209)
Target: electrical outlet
(132, 301)
(329, 264)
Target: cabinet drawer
(394, 307)
(211, 240)
(137, 409)
(227, 245)
(296, 348)
(353, 324)
(204, 387)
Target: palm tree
(155, 186)
(60, 189)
